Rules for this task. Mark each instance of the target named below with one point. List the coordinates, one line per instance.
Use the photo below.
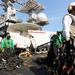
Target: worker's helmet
(71, 7)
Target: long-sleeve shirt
(7, 43)
(67, 21)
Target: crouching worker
(7, 43)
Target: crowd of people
(62, 44)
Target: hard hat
(70, 7)
(72, 4)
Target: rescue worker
(69, 32)
(9, 51)
(56, 44)
(7, 43)
(54, 48)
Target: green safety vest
(56, 42)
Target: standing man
(69, 32)
(69, 26)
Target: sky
(55, 10)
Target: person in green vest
(7, 43)
(56, 44)
(53, 51)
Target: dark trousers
(67, 48)
(52, 54)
